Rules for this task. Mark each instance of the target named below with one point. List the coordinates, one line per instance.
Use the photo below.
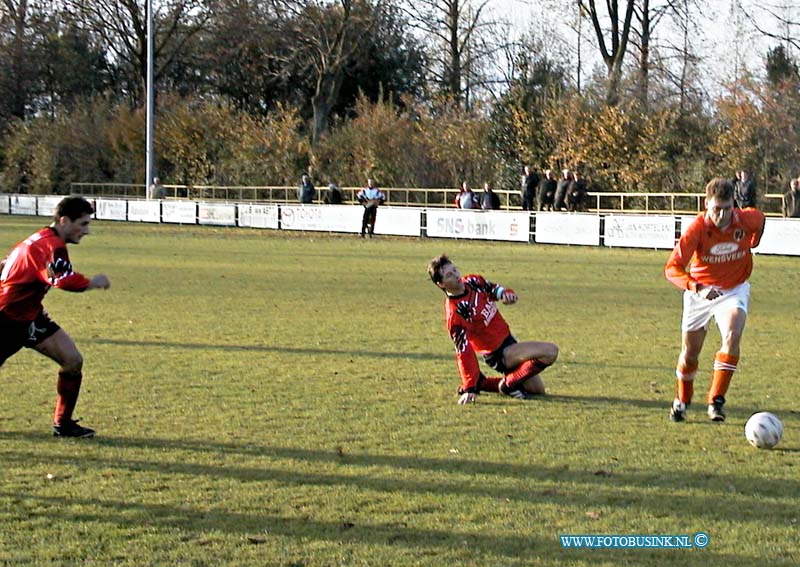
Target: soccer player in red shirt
(711, 262)
(477, 327)
(30, 270)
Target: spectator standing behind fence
(157, 190)
(530, 181)
(466, 199)
(791, 200)
(333, 196)
(559, 202)
(576, 194)
(306, 192)
(461, 189)
(490, 201)
(546, 192)
(370, 198)
(745, 190)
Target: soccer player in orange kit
(711, 262)
(30, 270)
(476, 326)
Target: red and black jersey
(33, 267)
(475, 325)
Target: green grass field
(265, 399)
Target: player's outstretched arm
(509, 296)
(100, 281)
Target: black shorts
(17, 334)
(495, 358)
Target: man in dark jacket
(306, 192)
(791, 200)
(529, 182)
(576, 194)
(546, 193)
(745, 190)
(560, 201)
(490, 201)
(333, 196)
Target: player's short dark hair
(720, 188)
(435, 267)
(73, 208)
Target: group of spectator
(538, 193)
(548, 194)
(467, 199)
(568, 193)
(306, 193)
(370, 197)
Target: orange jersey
(33, 267)
(712, 257)
(475, 325)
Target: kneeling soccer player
(476, 326)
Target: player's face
(74, 230)
(719, 211)
(451, 277)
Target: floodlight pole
(150, 95)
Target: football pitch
(272, 399)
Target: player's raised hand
(100, 281)
(467, 398)
(509, 297)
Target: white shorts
(697, 311)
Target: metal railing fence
(678, 203)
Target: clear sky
(725, 39)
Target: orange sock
(685, 390)
(724, 367)
(685, 385)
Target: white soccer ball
(763, 430)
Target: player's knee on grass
(534, 385)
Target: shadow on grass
(268, 348)
(257, 528)
(652, 492)
(447, 355)
(697, 412)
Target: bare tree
(17, 58)
(122, 25)
(648, 14)
(616, 23)
(777, 20)
(325, 39)
(463, 42)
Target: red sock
(524, 371)
(724, 367)
(68, 388)
(490, 384)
